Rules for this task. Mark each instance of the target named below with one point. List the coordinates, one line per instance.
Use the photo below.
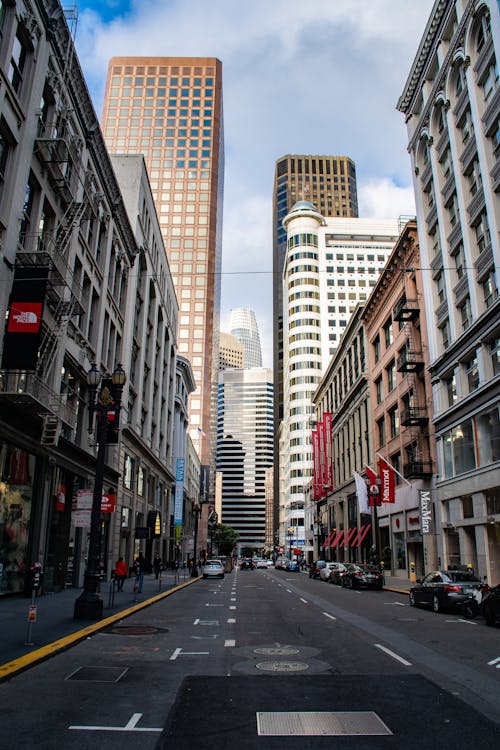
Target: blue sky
(315, 76)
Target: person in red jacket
(121, 573)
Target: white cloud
(299, 77)
(382, 198)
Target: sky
(299, 76)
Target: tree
(225, 537)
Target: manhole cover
(277, 651)
(135, 630)
(282, 666)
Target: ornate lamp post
(196, 512)
(290, 532)
(107, 405)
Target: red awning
(336, 539)
(362, 534)
(350, 536)
(328, 539)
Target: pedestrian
(157, 565)
(121, 573)
(139, 569)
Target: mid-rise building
(451, 103)
(231, 352)
(245, 451)
(243, 325)
(331, 264)
(170, 110)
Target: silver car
(213, 569)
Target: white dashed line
(229, 643)
(394, 656)
(303, 600)
(231, 621)
(331, 617)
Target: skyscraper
(243, 325)
(329, 182)
(170, 110)
(245, 450)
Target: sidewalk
(398, 585)
(55, 613)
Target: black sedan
(490, 607)
(366, 576)
(444, 589)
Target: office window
(490, 83)
(381, 431)
(378, 390)
(482, 230)
(18, 60)
(472, 373)
(450, 384)
(376, 348)
(388, 334)
(458, 257)
(394, 421)
(490, 291)
(466, 314)
(391, 375)
(495, 355)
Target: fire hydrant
(413, 574)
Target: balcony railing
(410, 361)
(406, 309)
(417, 469)
(414, 416)
(26, 390)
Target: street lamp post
(196, 512)
(107, 405)
(290, 532)
(374, 498)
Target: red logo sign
(25, 317)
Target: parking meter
(36, 574)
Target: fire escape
(415, 414)
(60, 153)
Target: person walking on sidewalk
(121, 573)
(139, 570)
(157, 565)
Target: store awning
(329, 538)
(336, 539)
(363, 532)
(350, 535)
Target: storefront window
(16, 487)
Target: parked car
(280, 563)
(292, 566)
(315, 567)
(443, 589)
(324, 573)
(490, 606)
(367, 576)
(261, 564)
(337, 573)
(213, 569)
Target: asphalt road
(265, 659)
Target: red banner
(373, 489)
(388, 482)
(315, 459)
(322, 459)
(327, 419)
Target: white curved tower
(243, 325)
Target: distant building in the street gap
(243, 325)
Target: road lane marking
(303, 600)
(394, 656)
(230, 643)
(289, 591)
(130, 726)
(495, 662)
(232, 607)
(330, 616)
(180, 652)
(231, 620)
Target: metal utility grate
(320, 724)
(98, 674)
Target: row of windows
(303, 239)
(161, 81)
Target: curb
(12, 668)
(397, 591)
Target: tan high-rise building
(170, 110)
